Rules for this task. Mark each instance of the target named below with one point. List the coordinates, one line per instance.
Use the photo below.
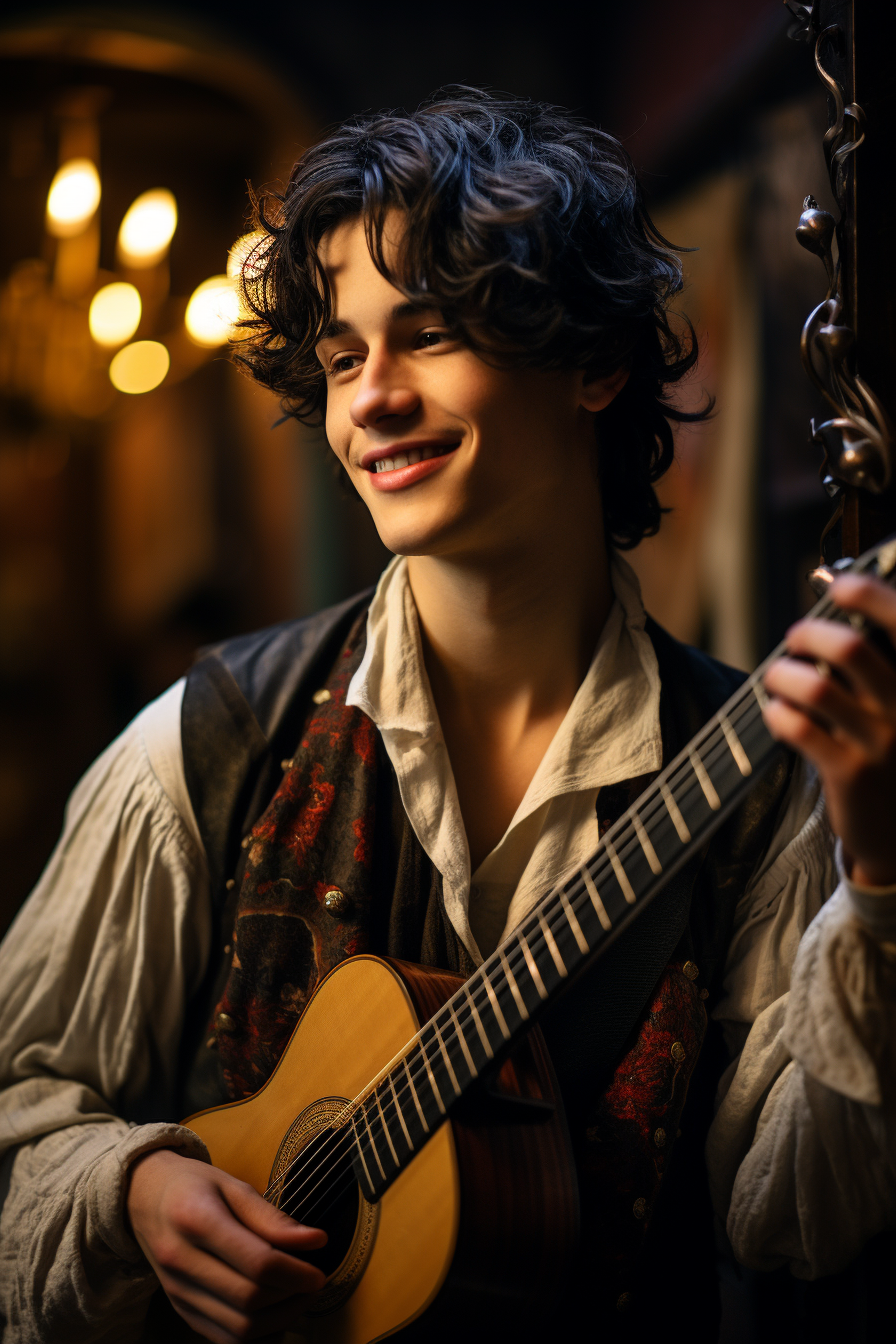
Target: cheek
(337, 427)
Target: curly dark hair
(527, 229)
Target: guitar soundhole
(325, 1194)
(313, 1181)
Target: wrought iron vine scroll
(858, 442)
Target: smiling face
(454, 457)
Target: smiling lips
(408, 467)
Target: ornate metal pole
(850, 331)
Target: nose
(382, 392)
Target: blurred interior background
(148, 503)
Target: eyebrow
(401, 310)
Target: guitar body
(477, 1231)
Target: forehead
(359, 292)
(343, 247)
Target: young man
(474, 297)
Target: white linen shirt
(611, 732)
(101, 961)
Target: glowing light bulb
(114, 313)
(148, 228)
(248, 249)
(139, 367)
(73, 198)
(213, 310)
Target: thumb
(267, 1221)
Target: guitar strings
(447, 1031)
(341, 1185)
(711, 736)
(555, 918)
(345, 1138)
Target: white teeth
(410, 458)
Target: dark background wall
(133, 529)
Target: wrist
(144, 1173)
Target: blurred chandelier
(73, 338)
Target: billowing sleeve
(802, 1151)
(96, 971)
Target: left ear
(597, 393)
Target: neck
(518, 622)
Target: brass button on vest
(659, 1138)
(678, 1051)
(336, 902)
(224, 1022)
(639, 1208)
(691, 970)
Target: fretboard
(565, 932)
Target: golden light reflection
(147, 228)
(114, 313)
(213, 310)
(249, 248)
(139, 367)
(73, 198)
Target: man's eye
(430, 338)
(344, 364)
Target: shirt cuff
(110, 1190)
(874, 906)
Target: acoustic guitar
(414, 1115)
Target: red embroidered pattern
(315, 835)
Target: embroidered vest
(330, 867)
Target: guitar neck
(566, 931)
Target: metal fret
(552, 946)
(483, 1035)
(706, 783)
(735, 746)
(760, 693)
(600, 909)
(372, 1141)
(574, 923)
(649, 852)
(379, 1106)
(448, 1064)
(400, 1114)
(628, 890)
(474, 1072)
(360, 1147)
(414, 1095)
(432, 1080)
(514, 987)
(533, 969)
(496, 1007)
(678, 820)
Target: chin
(415, 536)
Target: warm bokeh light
(73, 198)
(139, 367)
(148, 228)
(114, 313)
(213, 309)
(249, 246)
